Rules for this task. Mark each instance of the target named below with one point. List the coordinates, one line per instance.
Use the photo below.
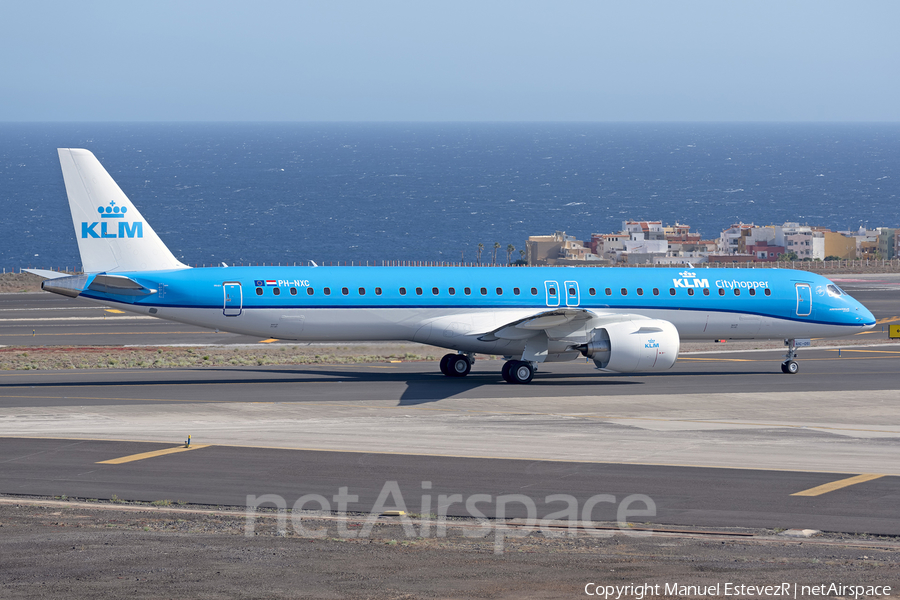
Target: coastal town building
(650, 242)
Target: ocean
(335, 192)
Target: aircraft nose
(865, 316)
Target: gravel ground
(153, 357)
(95, 550)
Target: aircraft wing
(572, 324)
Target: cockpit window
(835, 291)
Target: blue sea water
(253, 192)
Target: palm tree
(522, 254)
(478, 254)
(494, 255)
(509, 250)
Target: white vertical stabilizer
(112, 235)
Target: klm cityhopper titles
(626, 320)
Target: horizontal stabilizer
(66, 286)
(116, 284)
(46, 274)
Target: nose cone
(866, 318)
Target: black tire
(507, 367)
(521, 372)
(445, 361)
(791, 367)
(458, 365)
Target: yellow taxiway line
(839, 484)
(145, 455)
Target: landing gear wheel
(458, 365)
(521, 372)
(445, 361)
(790, 367)
(507, 367)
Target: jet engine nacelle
(634, 346)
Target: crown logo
(688, 274)
(112, 211)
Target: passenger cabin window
(276, 291)
(721, 291)
(552, 291)
(706, 291)
(310, 291)
(608, 292)
(640, 291)
(592, 292)
(259, 291)
(362, 291)
(499, 291)
(418, 291)
(690, 291)
(294, 291)
(484, 291)
(571, 291)
(534, 291)
(378, 291)
(752, 291)
(516, 291)
(768, 292)
(434, 291)
(327, 291)
(671, 291)
(656, 291)
(451, 291)
(737, 291)
(402, 291)
(345, 291)
(467, 291)
(623, 291)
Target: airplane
(625, 320)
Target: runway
(723, 440)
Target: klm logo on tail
(126, 229)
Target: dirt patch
(151, 357)
(15, 283)
(143, 357)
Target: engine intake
(633, 346)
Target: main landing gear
(518, 371)
(456, 365)
(514, 371)
(789, 366)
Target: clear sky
(386, 60)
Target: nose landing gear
(789, 366)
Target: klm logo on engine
(125, 229)
(651, 344)
(689, 280)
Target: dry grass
(204, 356)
